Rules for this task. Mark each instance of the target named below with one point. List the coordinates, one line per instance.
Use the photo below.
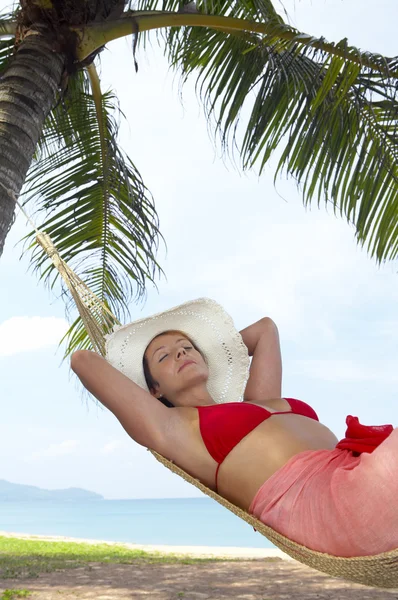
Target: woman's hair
(151, 383)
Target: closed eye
(185, 348)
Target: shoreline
(193, 551)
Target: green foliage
(6, 51)
(12, 594)
(89, 197)
(244, 9)
(333, 121)
(330, 110)
(6, 43)
(257, 10)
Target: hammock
(378, 571)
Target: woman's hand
(262, 341)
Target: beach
(194, 551)
(257, 574)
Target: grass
(27, 558)
(14, 594)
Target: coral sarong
(344, 501)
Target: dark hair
(150, 381)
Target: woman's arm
(144, 418)
(262, 341)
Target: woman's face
(175, 364)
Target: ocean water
(175, 522)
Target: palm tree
(330, 109)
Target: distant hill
(18, 492)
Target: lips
(185, 363)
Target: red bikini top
(223, 426)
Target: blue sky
(231, 237)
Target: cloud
(26, 334)
(55, 450)
(304, 270)
(340, 371)
(290, 272)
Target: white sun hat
(207, 325)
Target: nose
(181, 352)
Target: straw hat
(209, 327)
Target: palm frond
(6, 51)
(8, 21)
(7, 41)
(257, 10)
(244, 9)
(90, 199)
(333, 117)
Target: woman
(268, 455)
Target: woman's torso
(255, 457)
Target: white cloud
(340, 371)
(55, 450)
(290, 272)
(308, 275)
(26, 334)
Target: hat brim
(207, 325)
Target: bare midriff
(261, 453)
(266, 450)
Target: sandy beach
(194, 551)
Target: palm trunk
(27, 93)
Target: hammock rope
(97, 318)
(379, 570)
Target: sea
(169, 521)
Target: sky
(232, 237)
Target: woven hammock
(379, 570)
